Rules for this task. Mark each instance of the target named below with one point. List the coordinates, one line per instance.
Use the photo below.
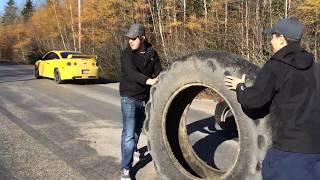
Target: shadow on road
(204, 147)
(4, 173)
(15, 74)
(7, 63)
(8, 81)
(91, 81)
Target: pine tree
(10, 14)
(28, 10)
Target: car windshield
(65, 54)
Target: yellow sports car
(67, 65)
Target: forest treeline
(174, 27)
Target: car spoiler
(81, 56)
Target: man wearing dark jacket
(289, 81)
(140, 66)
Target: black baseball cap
(135, 30)
(290, 27)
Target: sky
(19, 4)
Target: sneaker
(125, 174)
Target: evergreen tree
(28, 10)
(10, 14)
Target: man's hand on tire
(232, 82)
(152, 81)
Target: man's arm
(260, 93)
(156, 70)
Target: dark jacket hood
(295, 56)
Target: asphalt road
(51, 131)
(68, 131)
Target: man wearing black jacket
(289, 81)
(140, 66)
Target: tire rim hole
(209, 149)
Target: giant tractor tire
(165, 125)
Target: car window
(46, 56)
(55, 56)
(51, 56)
(65, 54)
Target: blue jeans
(132, 118)
(282, 165)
